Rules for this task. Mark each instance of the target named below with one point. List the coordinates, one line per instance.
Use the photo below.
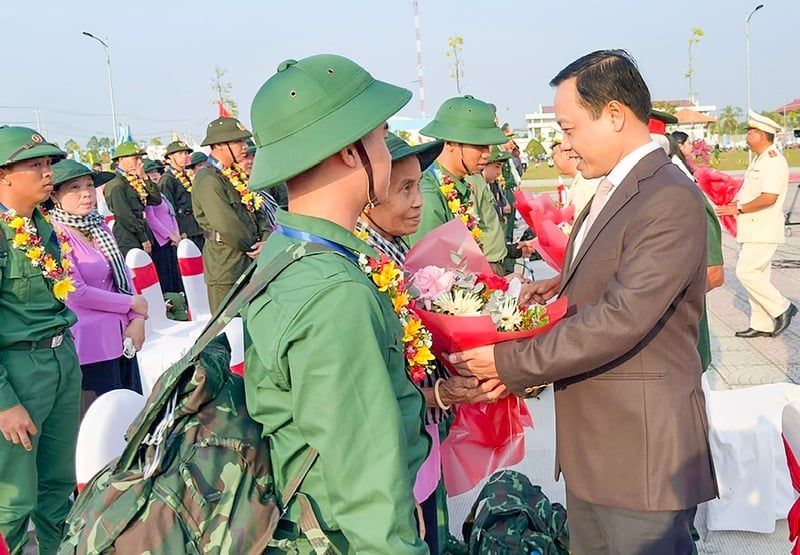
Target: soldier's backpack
(514, 516)
(195, 476)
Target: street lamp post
(110, 83)
(747, 48)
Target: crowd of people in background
(325, 370)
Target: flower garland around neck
(238, 178)
(138, 185)
(27, 239)
(184, 179)
(417, 340)
(461, 209)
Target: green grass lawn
(731, 160)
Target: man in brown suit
(630, 413)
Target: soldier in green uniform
(176, 186)
(127, 195)
(327, 369)
(40, 378)
(197, 161)
(467, 125)
(229, 213)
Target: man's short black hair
(606, 75)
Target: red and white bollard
(146, 283)
(190, 264)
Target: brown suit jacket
(631, 425)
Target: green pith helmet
(465, 120)
(498, 155)
(177, 146)
(196, 158)
(22, 143)
(311, 109)
(68, 169)
(426, 152)
(251, 147)
(152, 165)
(128, 149)
(225, 130)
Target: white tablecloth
(745, 437)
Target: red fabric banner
(794, 513)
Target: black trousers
(165, 260)
(600, 530)
(101, 377)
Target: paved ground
(737, 363)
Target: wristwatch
(739, 208)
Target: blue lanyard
(311, 238)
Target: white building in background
(542, 125)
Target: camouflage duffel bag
(514, 516)
(195, 476)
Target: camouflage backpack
(195, 476)
(515, 517)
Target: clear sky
(164, 52)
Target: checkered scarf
(93, 223)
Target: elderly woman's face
(76, 196)
(399, 214)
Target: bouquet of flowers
(721, 189)
(551, 224)
(464, 305)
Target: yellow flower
(454, 205)
(362, 234)
(50, 264)
(464, 218)
(21, 239)
(423, 356)
(411, 329)
(399, 301)
(387, 276)
(17, 223)
(34, 253)
(477, 232)
(447, 188)
(65, 264)
(65, 248)
(62, 288)
(247, 197)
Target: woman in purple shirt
(110, 315)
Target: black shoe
(750, 332)
(782, 322)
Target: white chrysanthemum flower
(459, 303)
(505, 313)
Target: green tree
(728, 121)
(155, 141)
(223, 90)
(534, 149)
(667, 107)
(694, 38)
(71, 146)
(457, 67)
(403, 134)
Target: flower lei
(26, 238)
(138, 185)
(417, 340)
(184, 179)
(238, 178)
(464, 211)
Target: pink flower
(432, 281)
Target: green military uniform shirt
(233, 229)
(326, 369)
(435, 211)
(493, 240)
(714, 259)
(130, 226)
(510, 186)
(30, 311)
(181, 199)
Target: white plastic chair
(190, 263)
(145, 281)
(102, 433)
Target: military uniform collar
(325, 229)
(440, 171)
